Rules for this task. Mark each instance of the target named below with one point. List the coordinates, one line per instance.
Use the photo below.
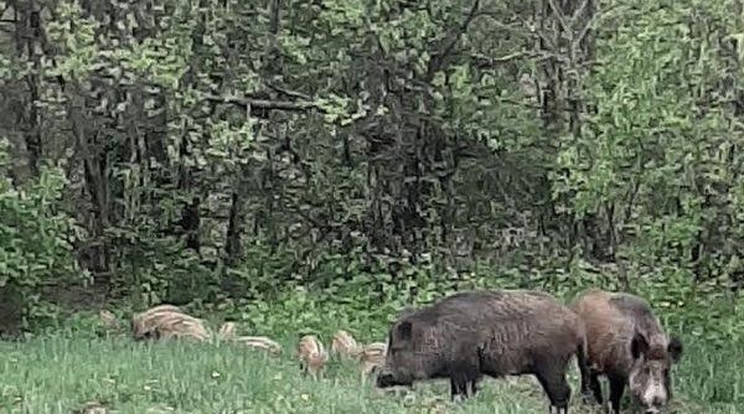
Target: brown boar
(344, 345)
(312, 355)
(260, 342)
(627, 344)
(108, 320)
(167, 321)
(176, 325)
(143, 323)
(496, 333)
(372, 358)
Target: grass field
(60, 374)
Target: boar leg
(586, 373)
(553, 380)
(459, 385)
(617, 387)
(462, 373)
(456, 388)
(474, 386)
(367, 370)
(595, 386)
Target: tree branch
(290, 93)
(561, 18)
(438, 58)
(265, 104)
(484, 62)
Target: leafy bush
(36, 237)
(366, 301)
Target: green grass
(59, 374)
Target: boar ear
(405, 331)
(638, 345)
(675, 349)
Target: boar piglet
(495, 333)
(312, 355)
(344, 345)
(626, 343)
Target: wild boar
(176, 325)
(312, 355)
(108, 320)
(627, 344)
(496, 333)
(167, 321)
(344, 345)
(372, 357)
(260, 342)
(142, 323)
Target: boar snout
(387, 379)
(654, 408)
(384, 380)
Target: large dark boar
(626, 343)
(494, 333)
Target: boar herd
(313, 356)
(170, 322)
(516, 332)
(493, 333)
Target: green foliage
(36, 239)
(280, 159)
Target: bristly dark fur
(495, 333)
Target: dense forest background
(306, 156)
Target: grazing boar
(372, 357)
(108, 319)
(496, 333)
(627, 344)
(167, 321)
(142, 323)
(312, 355)
(260, 342)
(178, 325)
(227, 331)
(344, 345)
